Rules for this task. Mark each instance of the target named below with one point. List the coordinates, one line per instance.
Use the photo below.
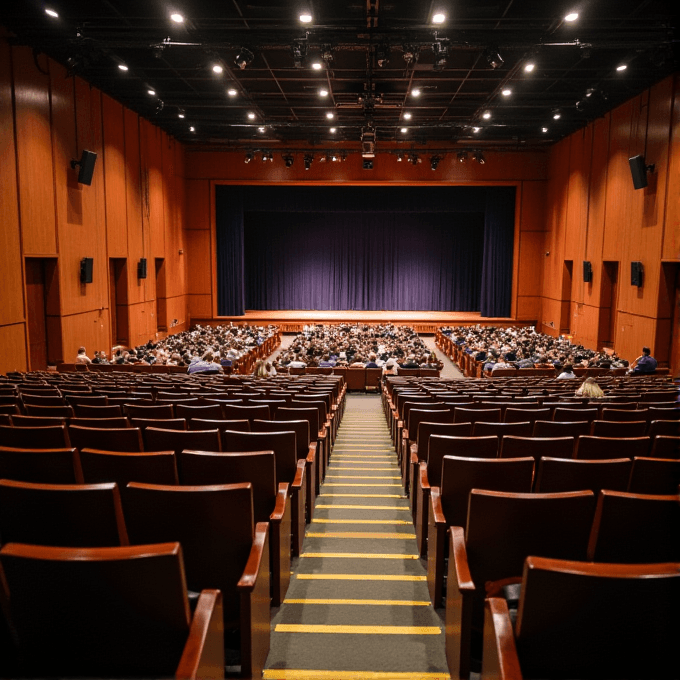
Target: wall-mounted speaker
(87, 162)
(86, 270)
(638, 171)
(141, 269)
(636, 274)
(587, 272)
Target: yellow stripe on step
(358, 534)
(329, 476)
(357, 630)
(364, 507)
(293, 674)
(349, 484)
(360, 495)
(391, 603)
(361, 577)
(361, 521)
(368, 556)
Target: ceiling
(374, 56)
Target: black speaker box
(636, 274)
(86, 270)
(587, 272)
(87, 163)
(638, 171)
(141, 269)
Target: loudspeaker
(86, 270)
(636, 274)
(141, 269)
(587, 272)
(86, 163)
(638, 171)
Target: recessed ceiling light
(486, 115)
(261, 128)
(545, 129)
(476, 129)
(177, 17)
(439, 18)
(323, 92)
(192, 129)
(52, 13)
(529, 67)
(572, 16)
(407, 116)
(557, 115)
(306, 18)
(251, 116)
(317, 65)
(180, 115)
(232, 92)
(506, 92)
(333, 130)
(622, 67)
(217, 68)
(330, 115)
(415, 92)
(122, 67)
(151, 92)
(404, 130)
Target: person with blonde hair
(260, 369)
(590, 388)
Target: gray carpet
(358, 605)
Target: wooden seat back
(654, 476)
(427, 428)
(559, 474)
(122, 467)
(150, 411)
(46, 466)
(523, 413)
(207, 411)
(598, 448)
(569, 415)
(546, 428)
(536, 447)
(612, 428)
(46, 437)
(518, 429)
(247, 412)
(107, 439)
(665, 447)
(472, 415)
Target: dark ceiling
(374, 56)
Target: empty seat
(117, 612)
(517, 429)
(655, 476)
(409, 435)
(586, 620)
(560, 474)
(151, 411)
(665, 447)
(107, 439)
(188, 411)
(97, 411)
(159, 439)
(247, 412)
(102, 423)
(563, 414)
(49, 411)
(222, 546)
(593, 448)
(220, 424)
(612, 428)
(537, 447)
(36, 421)
(472, 415)
(546, 428)
(122, 467)
(47, 437)
(624, 415)
(46, 466)
(669, 428)
(72, 515)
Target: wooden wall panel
(34, 152)
(152, 187)
(200, 307)
(671, 238)
(531, 254)
(199, 258)
(198, 203)
(12, 307)
(89, 329)
(13, 356)
(135, 223)
(114, 177)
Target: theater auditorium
(326, 173)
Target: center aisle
(358, 605)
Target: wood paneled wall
(595, 214)
(133, 209)
(527, 171)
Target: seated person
(590, 388)
(371, 361)
(645, 363)
(81, 357)
(205, 364)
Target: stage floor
(293, 320)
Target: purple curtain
(326, 248)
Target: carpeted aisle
(358, 605)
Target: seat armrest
(460, 592)
(256, 562)
(499, 657)
(203, 655)
(282, 497)
(436, 507)
(299, 478)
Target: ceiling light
(243, 58)
(493, 58)
(622, 67)
(572, 16)
(439, 18)
(159, 106)
(404, 131)
(52, 13)
(580, 105)
(177, 17)
(181, 113)
(434, 162)
(249, 157)
(415, 92)
(192, 129)
(123, 67)
(529, 67)
(232, 92)
(308, 161)
(306, 18)
(323, 92)
(333, 130)
(317, 65)
(486, 115)
(217, 68)
(151, 92)
(410, 54)
(330, 115)
(462, 156)
(479, 157)
(407, 116)
(557, 115)
(545, 129)
(261, 128)
(476, 129)
(251, 116)
(506, 92)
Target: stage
(293, 321)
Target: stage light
(249, 157)
(151, 92)
(557, 114)
(192, 129)
(308, 161)
(415, 92)
(217, 68)
(317, 65)
(382, 54)
(493, 58)
(529, 67)
(441, 52)
(323, 92)
(333, 130)
(404, 130)
(261, 128)
(400, 157)
(232, 92)
(622, 67)
(545, 129)
(123, 67)
(289, 160)
(181, 113)
(439, 18)
(434, 162)
(479, 157)
(330, 115)
(52, 13)
(243, 58)
(410, 54)
(462, 156)
(486, 115)
(506, 92)
(476, 129)
(572, 16)
(299, 51)
(251, 116)
(408, 116)
(306, 18)
(177, 18)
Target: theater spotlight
(243, 58)
(249, 157)
(382, 54)
(479, 157)
(414, 159)
(462, 156)
(400, 157)
(299, 51)
(267, 156)
(327, 52)
(441, 52)
(493, 58)
(289, 160)
(308, 161)
(410, 54)
(434, 162)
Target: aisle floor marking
(364, 507)
(359, 534)
(361, 630)
(329, 476)
(294, 674)
(361, 577)
(391, 603)
(368, 556)
(361, 521)
(350, 484)
(360, 495)
(339, 468)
